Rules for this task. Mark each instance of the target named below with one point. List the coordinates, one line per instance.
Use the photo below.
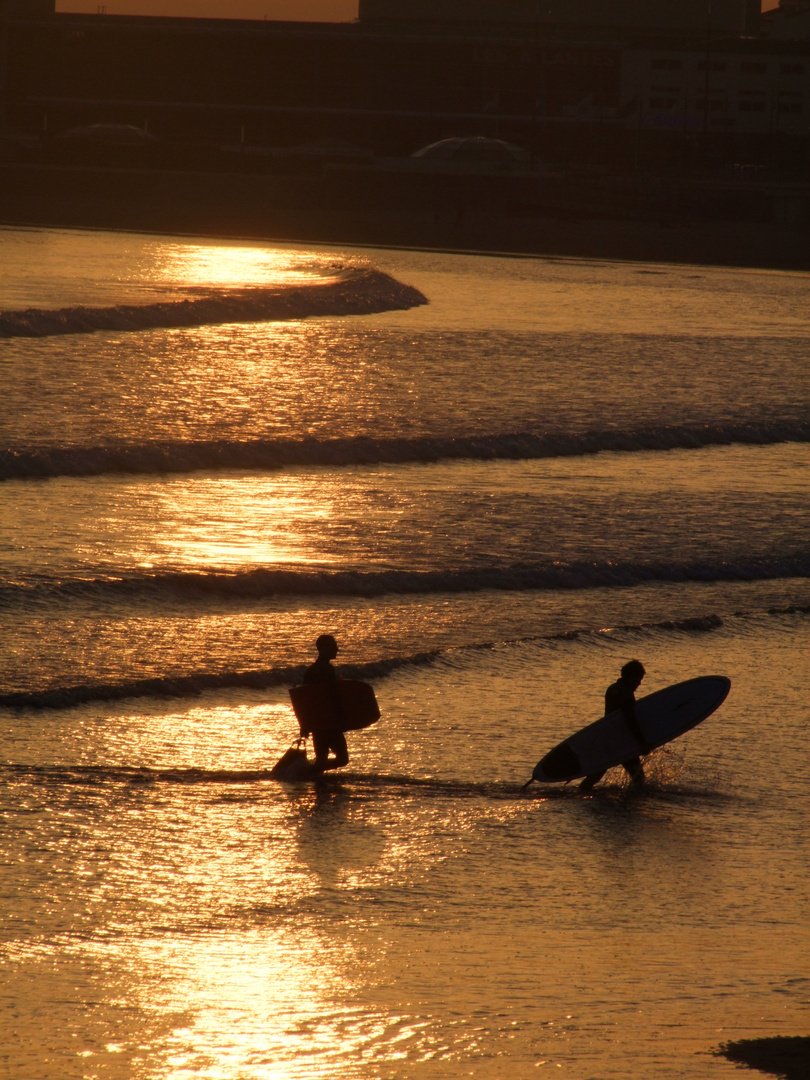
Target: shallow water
(169, 910)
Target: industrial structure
(606, 83)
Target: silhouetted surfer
(622, 695)
(328, 736)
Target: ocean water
(493, 499)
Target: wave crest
(193, 685)
(186, 686)
(264, 583)
(23, 463)
(354, 292)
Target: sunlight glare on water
(260, 1006)
(239, 521)
(186, 510)
(310, 518)
(61, 267)
(229, 265)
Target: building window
(789, 107)
(752, 106)
(792, 69)
(664, 63)
(750, 68)
(715, 65)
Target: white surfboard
(607, 742)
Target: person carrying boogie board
(325, 706)
(328, 734)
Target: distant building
(280, 84)
(732, 89)
(12, 11)
(387, 84)
(27, 9)
(790, 21)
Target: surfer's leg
(338, 743)
(326, 741)
(590, 781)
(634, 769)
(320, 744)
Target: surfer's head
(633, 672)
(327, 647)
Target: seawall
(728, 224)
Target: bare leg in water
(633, 768)
(323, 742)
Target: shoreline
(308, 210)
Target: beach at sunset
(404, 539)
(494, 480)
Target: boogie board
(661, 717)
(314, 706)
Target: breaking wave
(264, 583)
(193, 685)
(358, 291)
(185, 686)
(178, 456)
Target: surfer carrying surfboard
(622, 695)
(327, 736)
(630, 728)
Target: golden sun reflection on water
(264, 1005)
(224, 265)
(228, 521)
(226, 907)
(246, 736)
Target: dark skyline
(290, 10)
(287, 10)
